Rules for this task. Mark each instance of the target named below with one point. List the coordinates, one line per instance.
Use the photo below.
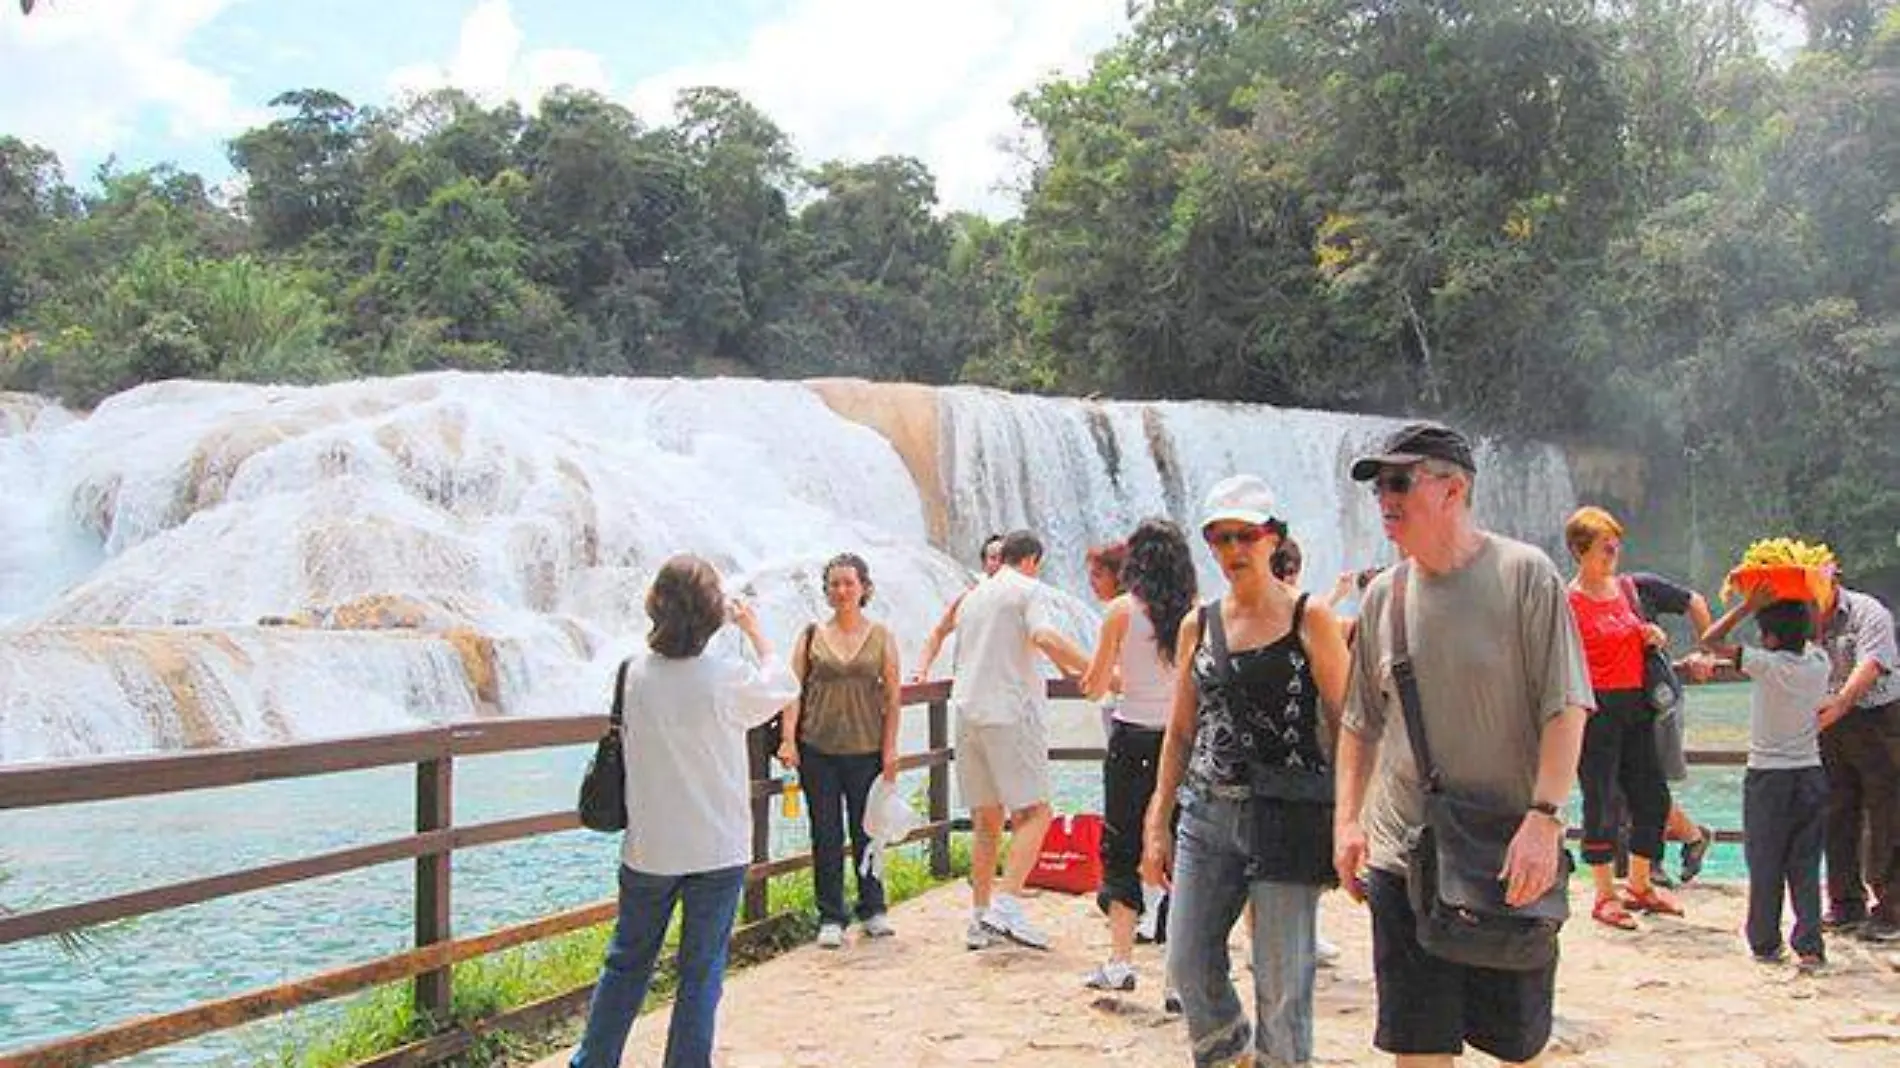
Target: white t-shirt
(997, 682)
(1783, 726)
(688, 789)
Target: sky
(153, 81)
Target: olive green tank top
(843, 709)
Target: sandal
(1609, 912)
(1652, 901)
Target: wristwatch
(1555, 814)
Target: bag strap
(1406, 677)
(1631, 597)
(620, 695)
(1214, 634)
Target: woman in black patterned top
(1244, 745)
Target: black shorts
(1431, 1006)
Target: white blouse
(683, 731)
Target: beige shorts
(1003, 764)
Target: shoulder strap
(620, 694)
(1299, 615)
(811, 631)
(1407, 679)
(1214, 634)
(1630, 597)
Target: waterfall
(196, 564)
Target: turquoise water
(171, 960)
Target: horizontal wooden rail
(430, 750)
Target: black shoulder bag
(603, 804)
(1457, 894)
(1661, 688)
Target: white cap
(1241, 498)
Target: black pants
(835, 783)
(1860, 796)
(1128, 782)
(1619, 749)
(1784, 822)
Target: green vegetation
(1612, 222)
(386, 1018)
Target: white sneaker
(830, 936)
(1325, 952)
(1115, 975)
(978, 936)
(878, 926)
(1005, 917)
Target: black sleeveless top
(1258, 736)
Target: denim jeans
(1212, 853)
(710, 900)
(836, 786)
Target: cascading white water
(1082, 473)
(200, 564)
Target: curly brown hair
(687, 606)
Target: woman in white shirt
(689, 827)
(1136, 649)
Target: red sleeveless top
(1612, 641)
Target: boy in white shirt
(1784, 799)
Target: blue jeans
(1212, 853)
(837, 786)
(710, 900)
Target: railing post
(758, 769)
(940, 789)
(435, 798)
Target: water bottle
(789, 806)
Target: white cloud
(929, 78)
(490, 65)
(79, 74)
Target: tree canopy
(1596, 221)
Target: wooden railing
(433, 752)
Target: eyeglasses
(1220, 539)
(1399, 483)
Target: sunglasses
(1398, 483)
(1240, 535)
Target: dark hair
(855, 563)
(1286, 558)
(984, 549)
(1021, 545)
(687, 607)
(1159, 572)
(1789, 623)
(1110, 558)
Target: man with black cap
(1504, 692)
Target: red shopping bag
(1071, 858)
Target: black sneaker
(1694, 853)
(1879, 930)
(1171, 1003)
(1842, 923)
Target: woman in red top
(1619, 744)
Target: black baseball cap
(1414, 443)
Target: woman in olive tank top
(841, 734)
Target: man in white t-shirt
(1001, 706)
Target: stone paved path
(1680, 992)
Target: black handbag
(1457, 894)
(603, 802)
(1662, 688)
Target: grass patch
(386, 1018)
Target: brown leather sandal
(1609, 912)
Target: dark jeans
(1783, 822)
(1619, 749)
(1860, 795)
(1128, 781)
(833, 785)
(710, 900)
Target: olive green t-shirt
(844, 700)
(1497, 656)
